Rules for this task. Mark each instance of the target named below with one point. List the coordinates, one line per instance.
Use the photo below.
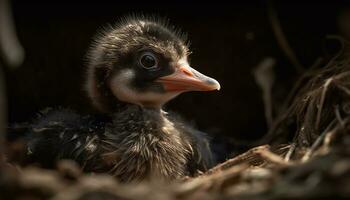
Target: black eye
(148, 60)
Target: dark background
(228, 40)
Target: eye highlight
(148, 60)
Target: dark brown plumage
(134, 69)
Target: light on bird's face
(154, 81)
(185, 79)
(178, 77)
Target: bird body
(134, 144)
(134, 69)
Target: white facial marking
(120, 88)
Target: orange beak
(186, 78)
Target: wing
(63, 134)
(202, 158)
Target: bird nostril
(186, 71)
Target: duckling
(134, 68)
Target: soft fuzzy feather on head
(114, 42)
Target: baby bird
(133, 69)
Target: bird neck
(137, 116)
(143, 109)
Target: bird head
(143, 62)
